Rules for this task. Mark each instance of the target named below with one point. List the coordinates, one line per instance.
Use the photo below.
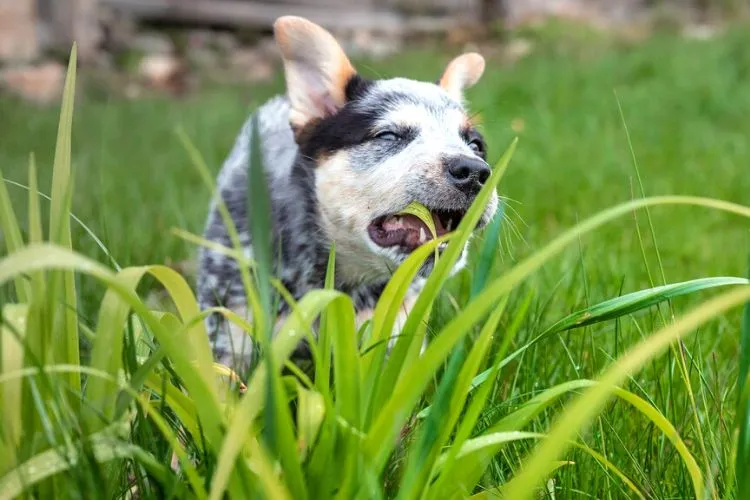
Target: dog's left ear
(461, 73)
(316, 69)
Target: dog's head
(377, 146)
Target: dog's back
(219, 282)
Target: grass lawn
(686, 106)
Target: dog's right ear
(315, 67)
(461, 73)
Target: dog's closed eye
(397, 134)
(388, 135)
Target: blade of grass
(632, 302)
(322, 472)
(181, 404)
(259, 208)
(323, 368)
(12, 235)
(488, 252)
(337, 335)
(384, 318)
(447, 407)
(454, 387)
(347, 386)
(742, 460)
(265, 471)
(590, 403)
(11, 359)
(278, 428)
(501, 438)
(289, 335)
(66, 342)
(97, 241)
(252, 294)
(438, 276)
(679, 351)
(422, 213)
(36, 234)
(310, 415)
(523, 416)
(106, 445)
(448, 481)
(461, 387)
(107, 349)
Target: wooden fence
(26, 26)
(386, 15)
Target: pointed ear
(315, 67)
(461, 73)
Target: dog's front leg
(236, 349)
(232, 345)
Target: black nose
(468, 174)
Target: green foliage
(405, 425)
(743, 409)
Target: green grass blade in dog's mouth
(421, 212)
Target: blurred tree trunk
(77, 21)
(492, 12)
(704, 9)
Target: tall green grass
(150, 414)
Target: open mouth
(408, 231)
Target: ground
(685, 104)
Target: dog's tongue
(409, 221)
(405, 221)
(406, 230)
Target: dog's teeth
(422, 235)
(449, 226)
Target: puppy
(343, 155)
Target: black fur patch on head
(354, 123)
(349, 127)
(356, 87)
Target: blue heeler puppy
(343, 154)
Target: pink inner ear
(329, 105)
(323, 103)
(313, 88)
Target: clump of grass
(403, 426)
